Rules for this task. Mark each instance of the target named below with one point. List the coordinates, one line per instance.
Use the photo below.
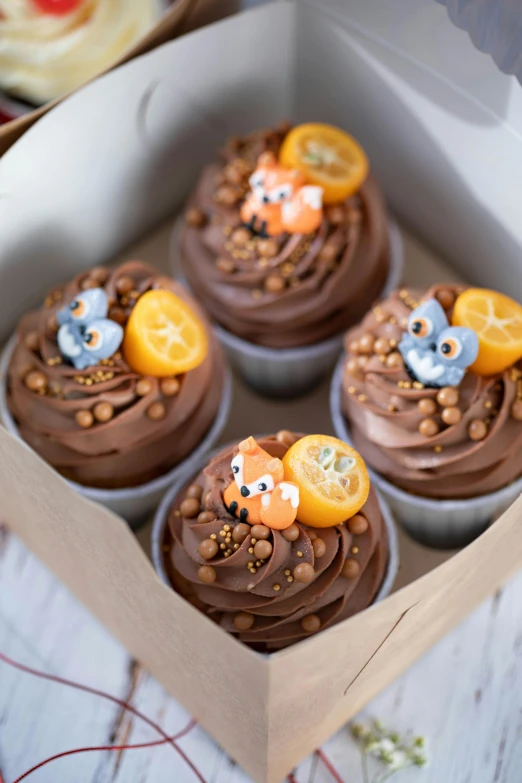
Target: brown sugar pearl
(381, 345)
(84, 419)
(328, 253)
(336, 215)
(477, 429)
(169, 386)
(358, 525)
(99, 273)
(118, 314)
(394, 359)
(428, 428)
(124, 284)
(195, 491)
(88, 282)
(143, 387)
(227, 195)
(103, 412)
(261, 532)
(190, 508)
(32, 341)
(208, 548)
(156, 411)
(225, 265)
(286, 437)
(207, 574)
(311, 623)
(350, 569)
(516, 410)
(448, 397)
(240, 237)
(36, 381)
(274, 283)
(243, 621)
(240, 532)
(233, 174)
(451, 415)
(366, 343)
(446, 298)
(290, 533)
(319, 547)
(267, 248)
(205, 517)
(304, 573)
(195, 217)
(263, 550)
(427, 406)
(52, 324)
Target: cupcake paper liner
(287, 372)
(134, 504)
(162, 514)
(443, 524)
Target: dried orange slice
(328, 157)
(164, 336)
(497, 320)
(332, 479)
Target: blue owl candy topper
(86, 335)
(434, 352)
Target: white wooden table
(465, 695)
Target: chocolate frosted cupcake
(286, 244)
(93, 389)
(234, 544)
(430, 393)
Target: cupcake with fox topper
(117, 382)
(286, 243)
(277, 538)
(430, 393)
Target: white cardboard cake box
(77, 191)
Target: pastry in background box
(432, 390)
(286, 239)
(117, 378)
(51, 47)
(279, 538)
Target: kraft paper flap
(334, 673)
(95, 554)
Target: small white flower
(398, 759)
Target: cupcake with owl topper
(286, 243)
(430, 393)
(277, 538)
(116, 381)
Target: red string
(87, 689)
(65, 753)
(290, 779)
(329, 766)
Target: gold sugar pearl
(427, 406)
(276, 587)
(448, 397)
(477, 430)
(451, 415)
(311, 623)
(516, 410)
(428, 428)
(366, 343)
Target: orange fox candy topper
(281, 201)
(258, 494)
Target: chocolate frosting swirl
(298, 290)
(381, 403)
(277, 602)
(133, 446)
